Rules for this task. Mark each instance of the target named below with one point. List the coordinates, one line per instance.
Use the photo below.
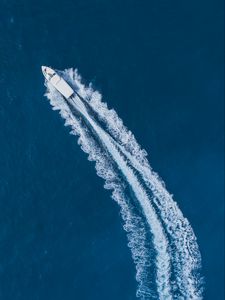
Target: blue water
(160, 65)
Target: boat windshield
(51, 75)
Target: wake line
(180, 248)
(187, 259)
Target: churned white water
(172, 253)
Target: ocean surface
(160, 66)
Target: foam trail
(122, 146)
(187, 260)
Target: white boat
(58, 82)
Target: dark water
(160, 65)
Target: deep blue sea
(159, 64)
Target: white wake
(162, 241)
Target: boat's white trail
(176, 260)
